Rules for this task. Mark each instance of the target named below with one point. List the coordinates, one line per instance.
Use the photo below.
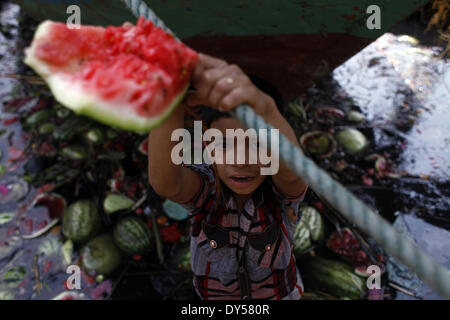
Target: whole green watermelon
(81, 221)
(100, 255)
(333, 277)
(309, 232)
(132, 235)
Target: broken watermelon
(131, 77)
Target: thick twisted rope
(395, 244)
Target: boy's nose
(237, 165)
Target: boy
(241, 236)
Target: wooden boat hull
(289, 43)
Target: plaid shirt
(220, 238)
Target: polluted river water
(401, 88)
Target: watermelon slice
(130, 77)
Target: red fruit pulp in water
(54, 205)
(346, 245)
(170, 234)
(142, 58)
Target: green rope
(395, 244)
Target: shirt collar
(257, 196)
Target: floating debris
(2, 169)
(143, 147)
(113, 156)
(10, 246)
(6, 294)
(116, 202)
(174, 210)
(95, 136)
(49, 247)
(67, 250)
(75, 152)
(102, 290)
(296, 107)
(41, 231)
(318, 143)
(38, 116)
(14, 276)
(171, 233)
(54, 205)
(386, 168)
(344, 244)
(46, 128)
(12, 188)
(71, 127)
(162, 220)
(352, 140)
(69, 295)
(63, 112)
(328, 114)
(340, 165)
(6, 217)
(355, 116)
(372, 157)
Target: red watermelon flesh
(130, 77)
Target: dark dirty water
(401, 88)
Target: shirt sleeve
(290, 205)
(284, 198)
(207, 188)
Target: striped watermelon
(100, 255)
(132, 235)
(333, 277)
(81, 221)
(309, 231)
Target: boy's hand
(224, 87)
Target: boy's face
(242, 179)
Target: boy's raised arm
(169, 180)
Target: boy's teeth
(241, 178)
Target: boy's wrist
(267, 108)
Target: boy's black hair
(209, 115)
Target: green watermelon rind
(132, 239)
(101, 255)
(116, 202)
(81, 221)
(86, 103)
(334, 277)
(309, 232)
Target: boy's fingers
(224, 86)
(210, 62)
(208, 84)
(236, 97)
(204, 63)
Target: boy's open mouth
(242, 179)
